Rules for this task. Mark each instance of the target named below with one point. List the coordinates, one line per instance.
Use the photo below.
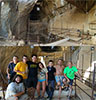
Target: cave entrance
(37, 27)
(35, 13)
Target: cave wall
(4, 19)
(74, 19)
(9, 16)
(92, 20)
(14, 16)
(20, 28)
(70, 19)
(6, 54)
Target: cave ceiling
(49, 6)
(84, 5)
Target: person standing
(42, 79)
(51, 79)
(10, 69)
(60, 79)
(69, 73)
(22, 68)
(32, 79)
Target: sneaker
(66, 89)
(47, 97)
(69, 98)
(50, 98)
(42, 98)
(38, 98)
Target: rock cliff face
(16, 22)
(14, 14)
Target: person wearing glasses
(10, 69)
(22, 68)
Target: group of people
(25, 77)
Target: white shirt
(14, 88)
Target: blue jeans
(50, 88)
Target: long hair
(14, 80)
(42, 66)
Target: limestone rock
(21, 43)
(13, 13)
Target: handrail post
(93, 82)
(75, 86)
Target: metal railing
(91, 96)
